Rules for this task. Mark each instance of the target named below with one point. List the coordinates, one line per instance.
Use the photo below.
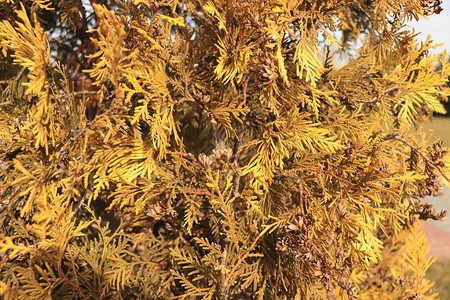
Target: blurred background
(438, 232)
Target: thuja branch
(189, 156)
(266, 127)
(270, 227)
(316, 171)
(89, 125)
(396, 136)
(378, 97)
(63, 275)
(233, 270)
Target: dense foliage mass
(210, 149)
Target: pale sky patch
(438, 26)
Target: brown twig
(262, 124)
(236, 152)
(223, 279)
(303, 192)
(187, 155)
(15, 78)
(244, 88)
(184, 99)
(240, 261)
(302, 204)
(377, 98)
(202, 193)
(66, 279)
(83, 200)
(163, 264)
(373, 100)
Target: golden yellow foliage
(210, 149)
